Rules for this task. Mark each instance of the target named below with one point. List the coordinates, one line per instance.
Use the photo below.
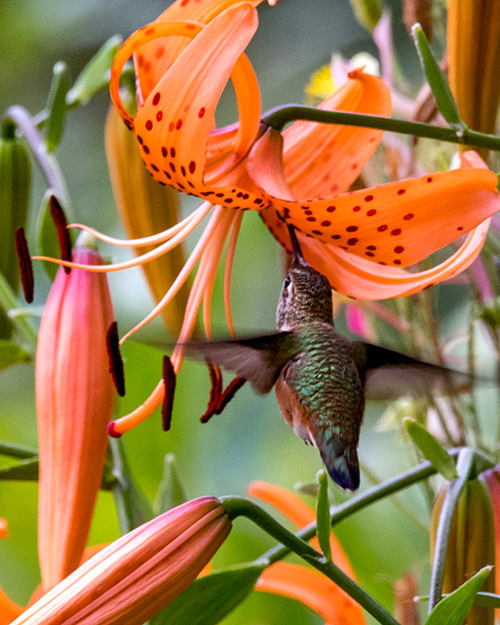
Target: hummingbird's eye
(286, 282)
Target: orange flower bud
(136, 576)
(473, 58)
(74, 398)
(492, 479)
(471, 545)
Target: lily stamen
(196, 216)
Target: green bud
(95, 75)
(56, 107)
(431, 449)
(15, 182)
(367, 12)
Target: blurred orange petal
(314, 590)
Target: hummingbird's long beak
(298, 258)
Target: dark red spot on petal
(351, 228)
(149, 124)
(178, 124)
(371, 247)
(356, 209)
(172, 167)
(139, 138)
(371, 212)
(183, 170)
(397, 262)
(308, 212)
(335, 237)
(146, 149)
(156, 98)
(159, 116)
(326, 223)
(172, 152)
(164, 152)
(396, 232)
(318, 232)
(159, 53)
(429, 179)
(370, 254)
(192, 167)
(201, 112)
(401, 191)
(382, 228)
(368, 198)
(409, 216)
(171, 126)
(399, 249)
(352, 241)
(330, 209)
(460, 228)
(150, 31)
(311, 219)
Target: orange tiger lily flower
(298, 582)
(361, 241)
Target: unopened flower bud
(136, 576)
(471, 544)
(74, 398)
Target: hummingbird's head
(306, 294)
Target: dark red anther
(219, 398)
(169, 380)
(215, 391)
(61, 222)
(112, 430)
(25, 265)
(115, 358)
(232, 388)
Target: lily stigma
(361, 240)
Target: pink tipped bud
(135, 577)
(74, 397)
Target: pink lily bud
(74, 399)
(136, 576)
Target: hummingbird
(320, 377)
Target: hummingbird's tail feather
(340, 458)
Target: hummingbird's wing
(258, 359)
(389, 374)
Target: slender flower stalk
(133, 578)
(74, 397)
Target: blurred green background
(249, 440)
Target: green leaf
(26, 470)
(56, 107)
(431, 449)
(323, 515)
(170, 493)
(437, 82)
(487, 599)
(453, 609)
(95, 75)
(132, 507)
(209, 599)
(11, 354)
(12, 450)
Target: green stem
(17, 451)
(47, 162)
(25, 330)
(235, 507)
(465, 465)
(281, 115)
